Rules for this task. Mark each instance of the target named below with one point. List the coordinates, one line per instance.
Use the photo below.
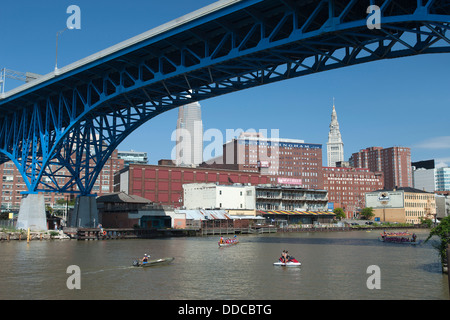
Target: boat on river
(153, 262)
(292, 262)
(228, 242)
(399, 237)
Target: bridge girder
(60, 133)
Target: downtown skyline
(399, 102)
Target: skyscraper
(189, 135)
(335, 146)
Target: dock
(131, 233)
(229, 230)
(127, 233)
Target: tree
(339, 212)
(442, 230)
(367, 213)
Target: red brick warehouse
(164, 184)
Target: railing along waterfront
(314, 228)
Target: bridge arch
(75, 118)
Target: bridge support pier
(85, 212)
(32, 213)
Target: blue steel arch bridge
(67, 123)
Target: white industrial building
(212, 196)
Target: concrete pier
(32, 213)
(85, 214)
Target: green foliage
(367, 213)
(442, 230)
(64, 202)
(339, 212)
(426, 222)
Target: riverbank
(129, 233)
(23, 235)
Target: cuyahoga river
(334, 266)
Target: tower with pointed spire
(335, 146)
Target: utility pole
(57, 35)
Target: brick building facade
(347, 187)
(164, 184)
(394, 162)
(283, 161)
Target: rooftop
(122, 197)
(404, 189)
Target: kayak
(291, 263)
(152, 263)
(228, 244)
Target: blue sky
(400, 102)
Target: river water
(334, 266)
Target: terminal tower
(335, 146)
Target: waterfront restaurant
(298, 217)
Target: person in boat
(287, 257)
(145, 258)
(221, 240)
